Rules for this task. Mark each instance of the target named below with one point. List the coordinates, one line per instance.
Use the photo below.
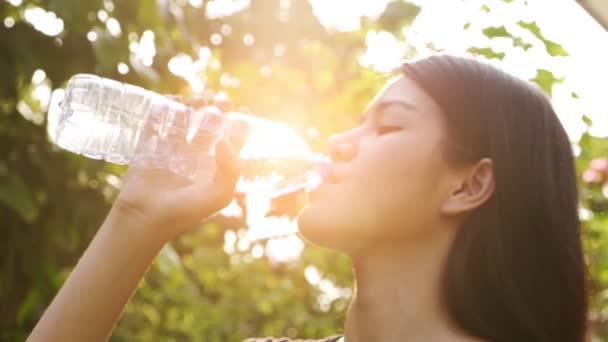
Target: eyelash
(382, 130)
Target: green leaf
(519, 42)
(532, 27)
(397, 15)
(75, 13)
(587, 120)
(555, 49)
(29, 303)
(496, 31)
(552, 48)
(148, 15)
(15, 195)
(486, 52)
(546, 80)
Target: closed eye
(381, 130)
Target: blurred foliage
(273, 56)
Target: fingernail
(173, 97)
(197, 101)
(224, 105)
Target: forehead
(404, 89)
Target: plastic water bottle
(121, 123)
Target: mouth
(330, 177)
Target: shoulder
(335, 338)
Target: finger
(236, 134)
(227, 165)
(209, 93)
(223, 104)
(174, 97)
(226, 176)
(197, 101)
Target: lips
(334, 173)
(331, 176)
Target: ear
(471, 188)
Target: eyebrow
(376, 109)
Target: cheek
(389, 194)
(401, 190)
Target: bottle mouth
(318, 175)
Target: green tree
(276, 58)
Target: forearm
(90, 302)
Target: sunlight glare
(243, 244)
(216, 39)
(92, 36)
(232, 210)
(42, 93)
(260, 226)
(345, 15)
(284, 249)
(582, 70)
(229, 241)
(196, 3)
(108, 5)
(257, 251)
(122, 68)
(9, 22)
(248, 39)
(43, 21)
(113, 27)
(330, 293)
(102, 15)
(384, 53)
(217, 9)
(147, 48)
(182, 65)
(38, 76)
(229, 81)
(312, 275)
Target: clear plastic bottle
(121, 123)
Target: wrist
(135, 227)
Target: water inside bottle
(273, 177)
(121, 123)
(274, 159)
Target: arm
(151, 206)
(92, 299)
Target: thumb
(228, 171)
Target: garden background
(311, 64)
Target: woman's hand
(169, 203)
(153, 206)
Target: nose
(342, 148)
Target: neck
(398, 294)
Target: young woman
(456, 199)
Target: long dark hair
(516, 270)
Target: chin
(325, 227)
(314, 227)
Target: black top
(285, 339)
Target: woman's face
(385, 181)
